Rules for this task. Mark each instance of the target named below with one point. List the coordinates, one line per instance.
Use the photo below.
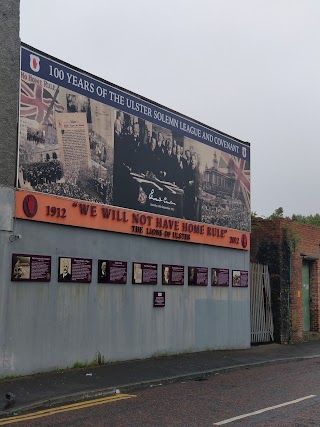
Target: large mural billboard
(85, 139)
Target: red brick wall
(279, 243)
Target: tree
(278, 213)
(309, 219)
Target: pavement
(71, 385)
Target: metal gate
(260, 304)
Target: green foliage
(302, 219)
(9, 377)
(278, 213)
(78, 365)
(99, 360)
(309, 219)
(291, 238)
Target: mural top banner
(85, 139)
(63, 75)
(64, 211)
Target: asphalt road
(217, 400)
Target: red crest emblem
(30, 206)
(34, 63)
(244, 241)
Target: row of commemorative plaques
(37, 268)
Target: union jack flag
(241, 171)
(38, 103)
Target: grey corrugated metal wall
(53, 325)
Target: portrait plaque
(197, 276)
(113, 272)
(219, 277)
(75, 270)
(172, 274)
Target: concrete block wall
(9, 89)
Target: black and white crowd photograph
(42, 165)
(162, 172)
(150, 170)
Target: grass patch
(10, 377)
(78, 365)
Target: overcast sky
(249, 68)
